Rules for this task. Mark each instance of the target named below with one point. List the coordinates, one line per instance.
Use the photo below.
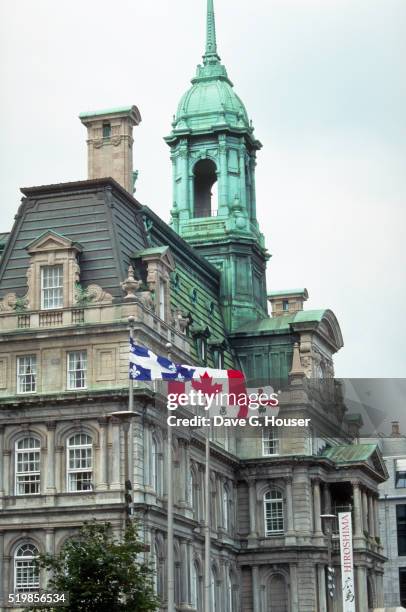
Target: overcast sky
(324, 82)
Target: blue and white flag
(146, 365)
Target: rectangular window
(77, 370)
(202, 348)
(80, 461)
(51, 287)
(270, 442)
(27, 462)
(218, 359)
(106, 130)
(274, 519)
(27, 374)
(402, 585)
(401, 528)
(400, 473)
(162, 300)
(285, 305)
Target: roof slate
(350, 453)
(98, 214)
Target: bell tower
(213, 153)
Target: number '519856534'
(19, 600)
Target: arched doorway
(278, 594)
(205, 194)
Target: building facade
(80, 260)
(392, 516)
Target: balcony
(93, 314)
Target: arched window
(80, 462)
(155, 473)
(195, 594)
(270, 442)
(226, 509)
(26, 573)
(213, 590)
(205, 194)
(195, 492)
(273, 512)
(27, 466)
(278, 594)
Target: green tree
(100, 573)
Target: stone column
(371, 519)
(115, 454)
(362, 599)
(60, 468)
(185, 177)
(50, 548)
(1, 472)
(357, 509)
(184, 574)
(364, 510)
(2, 592)
(289, 507)
(253, 163)
(243, 193)
(321, 582)
(50, 461)
(223, 177)
(252, 504)
(294, 598)
(317, 507)
(256, 600)
(6, 472)
(376, 516)
(103, 477)
(327, 499)
(7, 587)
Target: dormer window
(162, 300)
(51, 287)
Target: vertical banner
(347, 561)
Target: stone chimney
(395, 429)
(110, 144)
(287, 302)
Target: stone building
(392, 516)
(80, 259)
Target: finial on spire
(211, 43)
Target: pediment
(162, 254)
(51, 241)
(329, 328)
(377, 463)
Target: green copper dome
(211, 103)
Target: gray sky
(323, 81)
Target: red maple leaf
(205, 385)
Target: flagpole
(171, 579)
(207, 572)
(131, 321)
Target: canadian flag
(209, 389)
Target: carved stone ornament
(130, 285)
(99, 295)
(180, 320)
(8, 303)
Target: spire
(211, 44)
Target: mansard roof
(97, 214)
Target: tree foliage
(100, 573)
